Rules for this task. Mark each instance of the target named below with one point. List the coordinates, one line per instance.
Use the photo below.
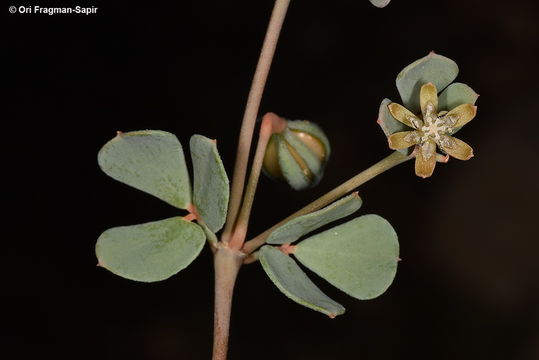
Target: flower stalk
(227, 263)
(227, 260)
(385, 164)
(271, 124)
(251, 111)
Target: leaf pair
(358, 257)
(153, 161)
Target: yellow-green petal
(403, 139)
(428, 99)
(461, 115)
(404, 115)
(425, 161)
(456, 148)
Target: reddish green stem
(251, 112)
(385, 164)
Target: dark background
(467, 287)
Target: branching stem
(271, 124)
(385, 164)
(227, 260)
(251, 110)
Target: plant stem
(271, 124)
(251, 110)
(385, 164)
(227, 263)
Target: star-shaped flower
(431, 129)
(428, 118)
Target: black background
(467, 287)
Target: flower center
(434, 125)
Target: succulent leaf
(434, 68)
(296, 228)
(294, 283)
(359, 257)
(151, 161)
(152, 251)
(210, 182)
(456, 94)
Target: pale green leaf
(434, 68)
(359, 257)
(210, 182)
(152, 251)
(292, 281)
(151, 161)
(456, 94)
(296, 228)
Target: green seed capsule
(298, 154)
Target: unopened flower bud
(298, 154)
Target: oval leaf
(151, 161)
(150, 252)
(296, 228)
(294, 283)
(456, 94)
(359, 257)
(434, 68)
(380, 3)
(210, 182)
